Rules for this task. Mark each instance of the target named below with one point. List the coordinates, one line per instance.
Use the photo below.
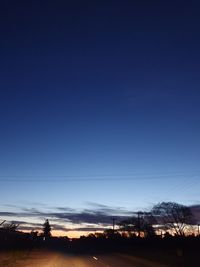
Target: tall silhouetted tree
(173, 216)
(47, 229)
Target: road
(114, 260)
(51, 259)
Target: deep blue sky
(93, 88)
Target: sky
(99, 109)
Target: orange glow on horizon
(71, 234)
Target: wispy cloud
(98, 216)
(95, 217)
(108, 209)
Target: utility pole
(113, 220)
(139, 223)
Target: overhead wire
(97, 178)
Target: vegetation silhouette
(173, 216)
(137, 226)
(168, 229)
(46, 230)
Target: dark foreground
(50, 258)
(97, 252)
(54, 259)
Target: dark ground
(86, 252)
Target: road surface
(52, 259)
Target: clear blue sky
(99, 90)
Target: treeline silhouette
(169, 226)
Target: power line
(104, 175)
(89, 178)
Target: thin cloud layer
(95, 218)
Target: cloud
(65, 209)
(195, 209)
(98, 215)
(9, 214)
(108, 209)
(84, 217)
(86, 229)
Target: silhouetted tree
(100, 235)
(134, 226)
(34, 234)
(10, 226)
(110, 233)
(47, 229)
(129, 226)
(173, 216)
